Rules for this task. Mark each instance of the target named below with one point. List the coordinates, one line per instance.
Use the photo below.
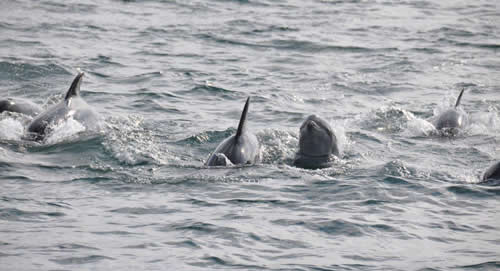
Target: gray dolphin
(451, 118)
(317, 144)
(492, 173)
(20, 106)
(241, 148)
(72, 106)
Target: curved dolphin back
(20, 106)
(459, 98)
(74, 89)
(241, 125)
(492, 173)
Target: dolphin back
(240, 148)
(452, 118)
(38, 127)
(239, 151)
(73, 106)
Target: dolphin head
(6, 104)
(316, 138)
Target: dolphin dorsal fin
(459, 98)
(241, 125)
(74, 89)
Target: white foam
(11, 129)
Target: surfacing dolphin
(492, 173)
(20, 106)
(317, 144)
(240, 149)
(73, 106)
(452, 119)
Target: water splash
(130, 142)
(484, 123)
(388, 119)
(416, 126)
(64, 130)
(338, 128)
(393, 119)
(278, 146)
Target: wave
(21, 71)
(293, 45)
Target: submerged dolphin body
(73, 106)
(20, 106)
(451, 118)
(317, 144)
(239, 149)
(492, 173)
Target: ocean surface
(169, 80)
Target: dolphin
(73, 106)
(492, 173)
(20, 106)
(317, 144)
(239, 149)
(451, 118)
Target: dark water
(169, 79)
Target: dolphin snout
(312, 125)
